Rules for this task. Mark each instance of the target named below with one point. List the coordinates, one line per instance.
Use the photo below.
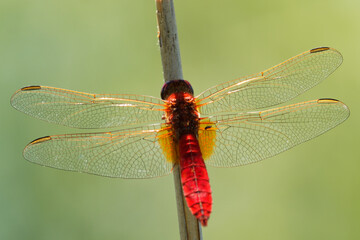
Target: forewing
(250, 137)
(273, 86)
(131, 153)
(85, 110)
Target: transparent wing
(273, 86)
(250, 137)
(131, 153)
(84, 110)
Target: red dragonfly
(224, 126)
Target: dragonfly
(227, 125)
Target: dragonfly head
(176, 86)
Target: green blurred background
(309, 192)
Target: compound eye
(163, 91)
(190, 87)
(175, 86)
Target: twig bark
(190, 228)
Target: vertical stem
(190, 228)
(168, 40)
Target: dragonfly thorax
(182, 114)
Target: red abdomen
(194, 178)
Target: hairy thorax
(182, 114)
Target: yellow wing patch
(206, 138)
(168, 145)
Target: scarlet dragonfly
(227, 125)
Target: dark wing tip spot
(39, 140)
(29, 88)
(327, 100)
(319, 49)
